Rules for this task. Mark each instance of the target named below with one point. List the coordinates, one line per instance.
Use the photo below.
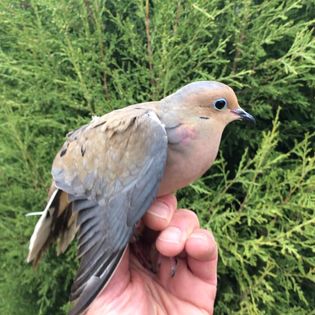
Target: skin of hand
(191, 291)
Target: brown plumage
(109, 171)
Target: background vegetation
(63, 61)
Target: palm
(136, 290)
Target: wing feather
(111, 186)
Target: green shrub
(263, 219)
(63, 61)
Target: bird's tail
(57, 222)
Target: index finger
(160, 213)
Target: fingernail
(199, 236)
(160, 210)
(171, 235)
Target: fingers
(180, 232)
(185, 235)
(202, 255)
(171, 241)
(160, 213)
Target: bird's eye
(220, 103)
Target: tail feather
(57, 222)
(42, 231)
(67, 232)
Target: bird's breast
(190, 154)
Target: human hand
(134, 289)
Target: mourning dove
(108, 172)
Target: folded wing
(111, 171)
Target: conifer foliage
(63, 61)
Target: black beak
(244, 115)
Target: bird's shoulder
(116, 121)
(117, 144)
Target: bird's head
(209, 100)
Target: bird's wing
(111, 170)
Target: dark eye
(220, 103)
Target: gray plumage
(108, 172)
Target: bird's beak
(244, 115)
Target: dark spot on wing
(83, 150)
(204, 117)
(63, 152)
(100, 124)
(70, 133)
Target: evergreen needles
(63, 61)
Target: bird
(109, 171)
